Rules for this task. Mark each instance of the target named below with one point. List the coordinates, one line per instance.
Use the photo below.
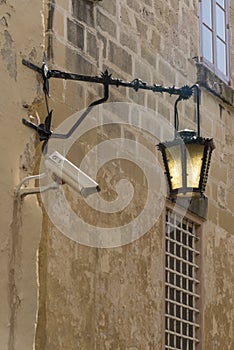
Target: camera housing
(66, 172)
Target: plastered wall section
(113, 299)
(21, 36)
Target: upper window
(214, 26)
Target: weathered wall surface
(158, 42)
(92, 298)
(104, 298)
(21, 36)
(113, 298)
(218, 230)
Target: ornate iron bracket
(43, 130)
(185, 91)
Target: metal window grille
(181, 283)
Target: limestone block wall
(87, 297)
(113, 298)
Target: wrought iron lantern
(187, 159)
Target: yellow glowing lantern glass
(187, 160)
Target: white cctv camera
(68, 173)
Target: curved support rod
(83, 116)
(25, 192)
(28, 178)
(176, 118)
(198, 93)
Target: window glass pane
(220, 22)
(220, 2)
(206, 12)
(207, 46)
(221, 57)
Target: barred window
(214, 33)
(181, 283)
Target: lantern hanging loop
(176, 115)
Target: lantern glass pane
(194, 163)
(175, 165)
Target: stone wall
(107, 298)
(113, 298)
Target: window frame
(214, 66)
(197, 221)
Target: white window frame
(176, 309)
(213, 66)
